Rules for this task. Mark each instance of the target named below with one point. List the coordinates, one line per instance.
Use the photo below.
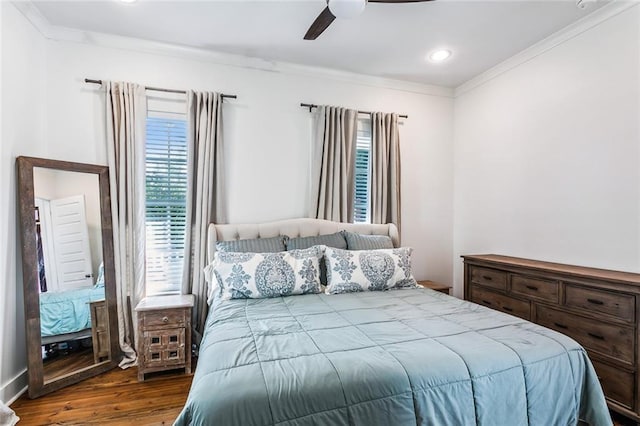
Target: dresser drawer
(501, 302)
(617, 384)
(615, 304)
(615, 341)
(170, 317)
(535, 288)
(489, 278)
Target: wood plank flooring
(113, 398)
(117, 398)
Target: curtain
(333, 167)
(126, 114)
(385, 169)
(205, 202)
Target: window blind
(166, 196)
(363, 172)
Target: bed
(66, 315)
(396, 357)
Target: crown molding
(595, 18)
(56, 33)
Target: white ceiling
(387, 40)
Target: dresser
(598, 308)
(164, 334)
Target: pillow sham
(359, 270)
(367, 242)
(330, 240)
(253, 245)
(235, 275)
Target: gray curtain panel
(385, 169)
(205, 202)
(126, 116)
(333, 164)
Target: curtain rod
(312, 106)
(159, 89)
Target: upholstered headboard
(292, 228)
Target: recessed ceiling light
(128, 1)
(439, 55)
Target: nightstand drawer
(617, 384)
(535, 288)
(501, 302)
(164, 347)
(615, 304)
(169, 318)
(607, 339)
(489, 278)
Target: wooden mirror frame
(35, 370)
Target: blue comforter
(400, 357)
(67, 311)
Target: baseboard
(14, 388)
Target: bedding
(330, 240)
(398, 357)
(254, 245)
(67, 311)
(259, 275)
(357, 241)
(374, 270)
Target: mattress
(67, 311)
(399, 357)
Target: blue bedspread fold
(400, 357)
(67, 311)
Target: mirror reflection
(71, 286)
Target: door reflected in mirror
(73, 317)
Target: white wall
(267, 135)
(23, 89)
(547, 155)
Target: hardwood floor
(113, 398)
(117, 398)
(64, 364)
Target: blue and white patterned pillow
(234, 275)
(360, 270)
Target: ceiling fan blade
(397, 1)
(320, 24)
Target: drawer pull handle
(165, 319)
(596, 336)
(595, 301)
(557, 324)
(508, 309)
(487, 277)
(532, 287)
(486, 302)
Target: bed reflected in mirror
(68, 272)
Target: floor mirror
(68, 272)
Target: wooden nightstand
(99, 330)
(164, 334)
(442, 288)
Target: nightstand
(442, 288)
(164, 334)
(99, 330)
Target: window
(363, 172)
(166, 199)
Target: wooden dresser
(598, 308)
(164, 334)
(100, 331)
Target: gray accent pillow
(253, 245)
(330, 240)
(367, 242)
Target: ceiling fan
(343, 9)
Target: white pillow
(234, 275)
(360, 270)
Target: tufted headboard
(292, 228)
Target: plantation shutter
(166, 197)
(363, 171)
